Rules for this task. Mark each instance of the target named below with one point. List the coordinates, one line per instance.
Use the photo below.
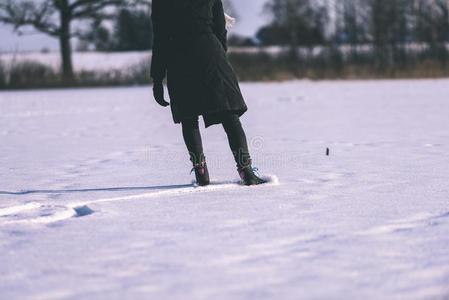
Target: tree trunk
(64, 40)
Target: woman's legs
(237, 140)
(236, 137)
(192, 139)
(239, 146)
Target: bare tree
(387, 25)
(55, 18)
(351, 23)
(303, 20)
(432, 26)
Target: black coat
(190, 48)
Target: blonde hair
(230, 21)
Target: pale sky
(250, 19)
(251, 16)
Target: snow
(82, 61)
(126, 61)
(96, 200)
(103, 61)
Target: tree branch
(28, 13)
(81, 8)
(91, 7)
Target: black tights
(236, 137)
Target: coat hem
(215, 118)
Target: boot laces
(256, 171)
(200, 167)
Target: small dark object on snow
(83, 210)
(248, 177)
(327, 151)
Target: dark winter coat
(190, 48)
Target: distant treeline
(251, 64)
(357, 38)
(132, 30)
(316, 39)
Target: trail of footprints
(45, 213)
(37, 213)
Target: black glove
(158, 92)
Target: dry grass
(259, 66)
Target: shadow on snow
(111, 189)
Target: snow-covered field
(96, 201)
(105, 61)
(82, 61)
(108, 61)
